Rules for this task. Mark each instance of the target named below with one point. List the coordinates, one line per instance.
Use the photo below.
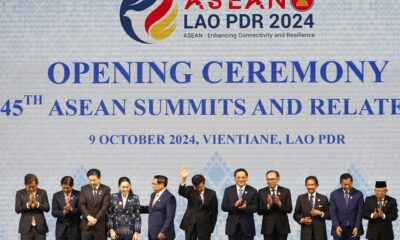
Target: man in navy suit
(240, 201)
(32, 202)
(162, 209)
(65, 208)
(346, 210)
(380, 210)
(275, 203)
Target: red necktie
(67, 198)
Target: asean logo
(302, 5)
(149, 21)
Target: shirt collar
(161, 192)
(238, 188)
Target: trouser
(33, 234)
(195, 236)
(239, 234)
(347, 233)
(275, 235)
(68, 235)
(93, 234)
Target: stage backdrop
(139, 88)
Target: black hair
(345, 176)
(273, 171)
(240, 170)
(197, 179)
(29, 178)
(67, 180)
(94, 171)
(311, 178)
(161, 179)
(124, 179)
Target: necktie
(311, 201)
(380, 203)
(273, 195)
(67, 198)
(156, 197)
(33, 222)
(94, 194)
(240, 193)
(202, 198)
(346, 198)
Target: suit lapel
(120, 206)
(235, 194)
(73, 198)
(90, 190)
(306, 203)
(351, 197)
(151, 201)
(340, 198)
(62, 198)
(206, 196)
(99, 193)
(318, 201)
(268, 191)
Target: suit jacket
(378, 226)
(72, 219)
(275, 216)
(97, 207)
(318, 225)
(25, 222)
(201, 215)
(162, 215)
(236, 216)
(125, 221)
(340, 214)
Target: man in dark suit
(381, 210)
(162, 209)
(32, 202)
(65, 208)
(240, 201)
(311, 211)
(94, 201)
(275, 203)
(346, 210)
(200, 216)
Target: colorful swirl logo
(149, 21)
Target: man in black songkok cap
(380, 209)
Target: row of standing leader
(118, 215)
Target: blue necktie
(346, 198)
(311, 201)
(240, 193)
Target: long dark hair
(125, 179)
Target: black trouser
(195, 236)
(275, 235)
(239, 234)
(33, 234)
(68, 235)
(93, 234)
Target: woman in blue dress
(124, 221)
